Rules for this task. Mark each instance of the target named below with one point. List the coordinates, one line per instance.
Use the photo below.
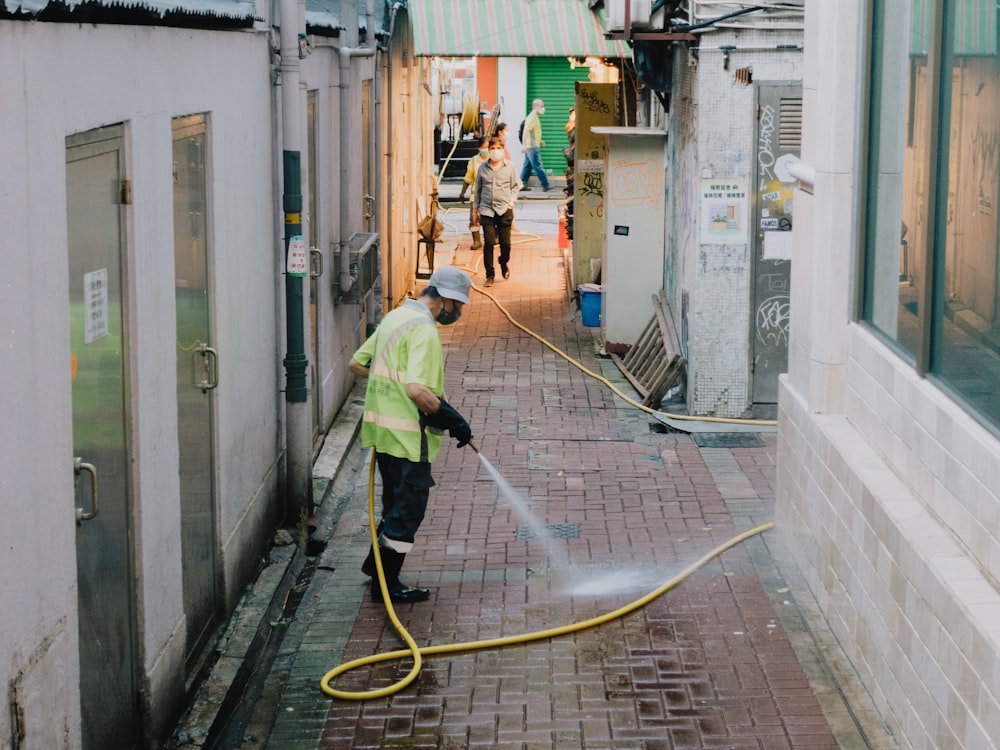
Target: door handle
(370, 206)
(79, 465)
(211, 368)
(315, 263)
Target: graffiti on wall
(636, 183)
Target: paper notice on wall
(95, 301)
(777, 246)
(725, 211)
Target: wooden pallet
(654, 364)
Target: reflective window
(931, 274)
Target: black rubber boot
(368, 566)
(392, 561)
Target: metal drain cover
(728, 440)
(549, 531)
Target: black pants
(496, 228)
(406, 486)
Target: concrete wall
(887, 490)
(62, 79)
(709, 284)
(338, 117)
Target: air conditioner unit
(640, 14)
(364, 267)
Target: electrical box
(632, 261)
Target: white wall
(888, 492)
(66, 78)
(512, 82)
(712, 128)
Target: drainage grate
(728, 440)
(549, 531)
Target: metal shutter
(552, 80)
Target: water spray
(416, 653)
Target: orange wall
(486, 82)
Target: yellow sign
(293, 218)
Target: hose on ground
(417, 653)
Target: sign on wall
(725, 211)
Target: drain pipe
(298, 433)
(390, 105)
(348, 155)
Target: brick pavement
(727, 659)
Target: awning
(510, 28)
(234, 9)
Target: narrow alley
(734, 656)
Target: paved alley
(614, 506)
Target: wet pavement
(598, 506)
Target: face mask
(446, 318)
(541, 111)
(495, 154)
(484, 152)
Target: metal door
(95, 193)
(197, 377)
(778, 143)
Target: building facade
(889, 458)
(145, 441)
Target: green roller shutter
(552, 80)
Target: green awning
(510, 28)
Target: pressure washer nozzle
(473, 446)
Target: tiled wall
(891, 512)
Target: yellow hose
(609, 384)
(417, 653)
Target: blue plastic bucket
(590, 308)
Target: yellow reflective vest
(405, 348)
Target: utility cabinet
(632, 260)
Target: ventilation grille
(790, 126)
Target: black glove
(446, 418)
(462, 433)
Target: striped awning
(510, 28)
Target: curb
(238, 651)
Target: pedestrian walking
(531, 139)
(493, 202)
(405, 415)
(473, 166)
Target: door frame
(90, 140)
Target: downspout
(298, 453)
(347, 155)
(390, 108)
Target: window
(932, 258)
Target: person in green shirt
(405, 415)
(531, 139)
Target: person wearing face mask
(473, 166)
(493, 200)
(405, 416)
(531, 139)
(502, 135)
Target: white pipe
(805, 174)
(298, 435)
(291, 111)
(349, 170)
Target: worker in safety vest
(405, 416)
